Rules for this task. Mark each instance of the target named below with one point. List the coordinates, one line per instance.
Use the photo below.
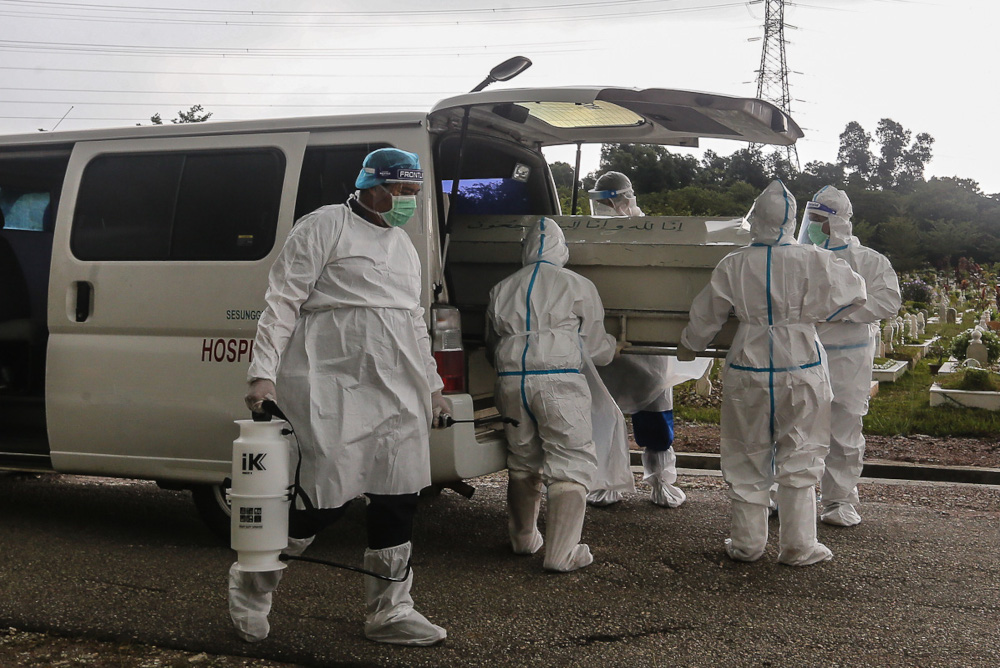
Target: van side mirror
(505, 71)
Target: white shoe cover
(250, 601)
(748, 531)
(567, 506)
(660, 471)
(524, 496)
(603, 497)
(797, 534)
(840, 514)
(390, 617)
(296, 546)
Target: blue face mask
(816, 234)
(403, 208)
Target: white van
(133, 262)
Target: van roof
(295, 124)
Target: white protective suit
(545, 324)
(344, 338)
(849, 339)
(644, 384)
(776, 402)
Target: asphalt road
(916, 584)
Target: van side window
(328, 175)
(199, 205)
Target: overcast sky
(927, 64)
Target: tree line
(912, 220)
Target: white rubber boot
(660, 471)
(748, 531)
(390, 617)
(797, 536)
(524, 497)
(250, 594)
(567, 506)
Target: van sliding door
(160, 263)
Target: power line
(386, 21)
(214, 92)
(366, 75)
(199, 51)
(213, 104)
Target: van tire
(210, 500)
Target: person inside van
(544, 324)
(642, 386)
(343, 348)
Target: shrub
(960, 345)
(939, 349)
(907, 354)
(916, 291)
(973, 380)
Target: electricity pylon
(772, 77)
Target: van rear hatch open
(551, 116)
(648, 270)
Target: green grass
(704, 414)
(903, 408)
(900, 408)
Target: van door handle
(84, 292)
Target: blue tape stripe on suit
(527, 320)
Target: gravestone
(943, 310)
(977, 349)
(921, 323)
(952, 316)
(887, 338)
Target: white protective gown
(776, 402)
(344, 338)
(544, 324)
(849, 340)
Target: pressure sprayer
(263, 489)
(260, 494)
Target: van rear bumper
(457, 453)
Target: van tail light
(446, 344)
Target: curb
(874, 469)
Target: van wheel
(210, 500)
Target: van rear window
(198, 205)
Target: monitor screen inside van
(496, 196)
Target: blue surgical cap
(389, 164)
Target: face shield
(613, 203)
(814, 217)
(402, 184)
